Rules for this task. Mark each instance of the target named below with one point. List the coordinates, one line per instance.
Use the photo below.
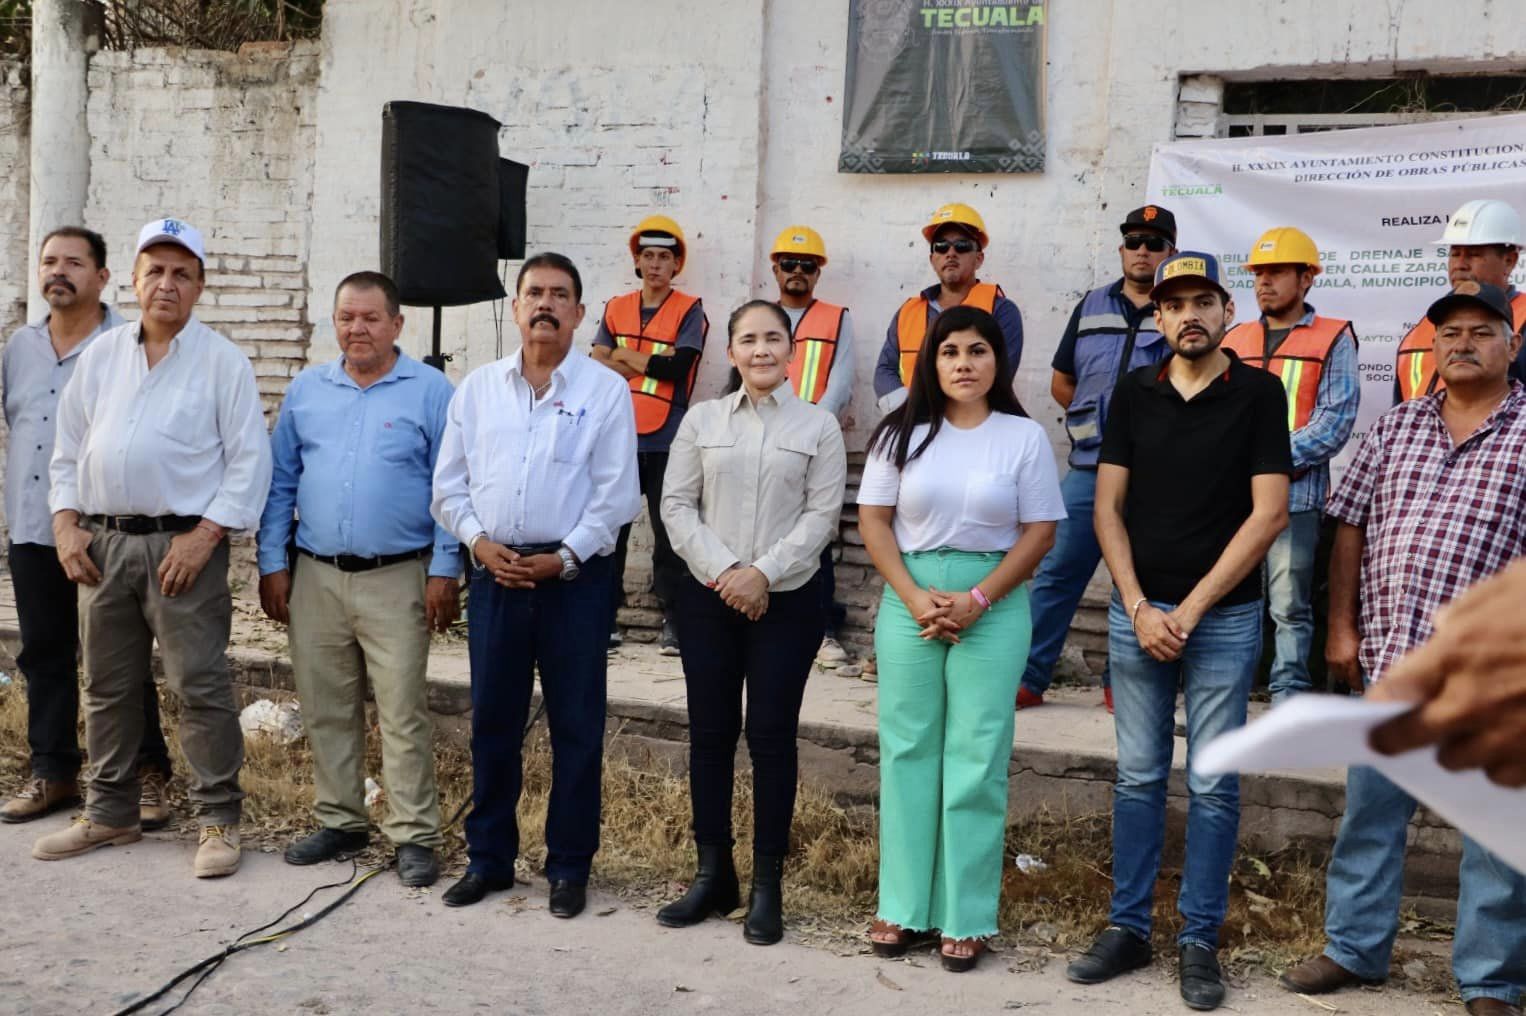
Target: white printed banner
(1375, 201)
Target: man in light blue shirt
(352, 562)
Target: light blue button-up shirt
(354, 466)
(34, 380)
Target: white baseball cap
(174, 231)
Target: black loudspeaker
(442, 204)
(512, 178)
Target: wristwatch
(570, 567)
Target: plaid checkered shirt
(1438, 517)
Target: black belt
(531, 549)
(351, 563)
(142, 525)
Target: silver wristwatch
(569, 563)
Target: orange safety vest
(1299, 360)
(653, 399)
(911, 322)
(1415, 364)
(815, 349)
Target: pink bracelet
(980, 597)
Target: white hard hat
(1483, 222)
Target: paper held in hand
(1317, 731)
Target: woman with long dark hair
(958, 504)
(752, 494)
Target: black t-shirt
(1190, 466)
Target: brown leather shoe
(81, 837)
(1319, 976)
(153, 800)
(1491, 1007)
(39, 797)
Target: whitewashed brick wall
(15, 264)
(224, 141)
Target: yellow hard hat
(958, 215)
(1285, 245)
(799, 240)
(659, 224)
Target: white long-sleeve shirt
(185, 438)
(560, 470)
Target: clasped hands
(944, 615)
(1163, 635)
(516, 571)
(744, 590)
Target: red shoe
(1107, 699)
(1027, 698)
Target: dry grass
(1276, 901)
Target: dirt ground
(98, 932)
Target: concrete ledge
(1063, 761)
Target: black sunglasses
(1149, 241)
(957, 246)
(806, 265)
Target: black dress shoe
(327, 845)
(1116, 951)
(568, 898)
(417, 866)
(472, 888)
(1202, 980)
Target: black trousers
(835, 613)
(723, 652)
(47, 607)
(512, 633)
(667, 569)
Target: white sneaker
(831, 653)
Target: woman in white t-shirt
(958, 504)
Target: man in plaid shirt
(1434, 502)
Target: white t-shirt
(970, 489)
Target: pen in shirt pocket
(580, 417)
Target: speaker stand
(437, 359)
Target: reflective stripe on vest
(653, 398)
(1415, 363)
(815, 349)
(1299, 359)
(911, 322)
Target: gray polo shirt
(34, 377)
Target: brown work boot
(81, 837)
(1491, 1007)
(153, 800)
(1320, 976)
(38, 797)
(218, 854)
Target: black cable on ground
(209, 965)
(245, 941)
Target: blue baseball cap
(1188, 264)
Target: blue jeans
(1216, 669)
(1290, 597)
(1061, 579)
(1365, 881)
(557, 627)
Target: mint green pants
(945, 718)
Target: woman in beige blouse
(752, 494)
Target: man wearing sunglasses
(957, 237)
(1111, 332)
(821, 371)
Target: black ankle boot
(713, 891)
(765, 911)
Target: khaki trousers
(120, 619)
(348, 628)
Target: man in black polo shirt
(1192, 489)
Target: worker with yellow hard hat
(821, 371)
(1483, 241)
(957, 240)
(654, 337)
(1315, 356)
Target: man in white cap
(161, 451)
(1483, 242)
